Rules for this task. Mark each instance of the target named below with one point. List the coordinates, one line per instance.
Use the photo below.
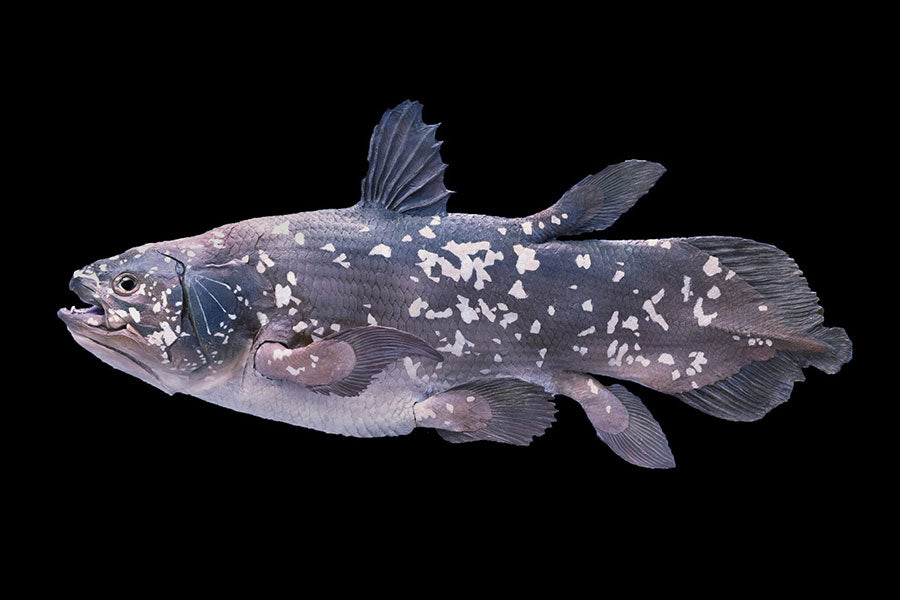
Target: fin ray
(405, 172)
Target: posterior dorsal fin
(405, 173)
(595, 202)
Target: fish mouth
(92, 316)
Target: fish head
(140, 319)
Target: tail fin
(595, 202)
(760, 386)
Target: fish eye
(125, 284)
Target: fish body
(394, 314)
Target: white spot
(617, 361)
(282, 295)
(168, 335)
(498, 358)
(406, 238)
(526, 227)
(381, 250)
(676, 374)
(517, 291)
(611, 324)
(263, 318)
(666, 244)
(410, 367)
(518, 336)
(686, 289)
(486, 310)
(134, 314)
(342, 260)
(508, 318)
(364, 229)
(703, 320)
(698, 362)
(729, 275)
(712, 266)
(652, 242)
(536, 326)
(292, 279)
(631, 323)
(335, 327)
(426, 232)
(551, 311)
(555, 220)
(612, 348)
(587, 305)
(300, 326)
(371, 320)
(658, 296)
(714, 292)
(656, 318)
(466, 312)
(279, 353)
(502, 230)
(763, 308)
(415, 309)
(282, 228)
(157, 307)
(435, 220)
(541, 224)
(666, 359)
(542, 352)
(587, 331)
(618, 276)
(526, 261)
(583, 261)
(328, 247)
(459, 343)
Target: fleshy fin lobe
(620, 419)
(595, 202)
(507, 410)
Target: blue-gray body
(481, 318)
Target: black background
(157, 140)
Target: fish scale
(395, 314)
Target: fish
(394, 314)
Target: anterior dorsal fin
(405, 173)
(595, 202)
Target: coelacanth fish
(395, 314)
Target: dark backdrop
(155, 144)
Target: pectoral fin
(343, 364)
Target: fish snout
(84, 289)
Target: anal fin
(620, 419)
(506, 410)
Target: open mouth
(92, 315)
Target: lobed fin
(504, 410)
(760, 386)
(595, 202)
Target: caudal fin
(760, 386)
